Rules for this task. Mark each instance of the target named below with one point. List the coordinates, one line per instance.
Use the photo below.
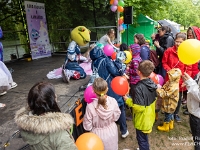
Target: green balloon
(100, 45)
(121, 3)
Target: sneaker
(186, 112)
(65, 78)
(13, 85)
(3, 93)
(177, 118)
(125, 135)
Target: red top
(195, 69)
(170, 60)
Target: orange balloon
(114, 55)
(89, 141)
(154, 77)
(120, 9)
(120, 21)
(120, 85)
(111, 2)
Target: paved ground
(26, 74)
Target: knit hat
(135, 48)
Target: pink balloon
(160, 79)
(108, 50)
(113, 8)
(89, 94)
(121, 28)
(115, 2)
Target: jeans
(142, 139)
(195, 128)
(122, 120)
(161, 71)
(179, 102)
(168, 117)
(73, 65)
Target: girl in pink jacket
(101, 115)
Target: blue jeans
(122, 120)
(161, 71)
(142, 139)
(168, 117)
(73, 65)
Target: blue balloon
(125, 26)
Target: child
(193, 105)
(42, 125)
(101, 114)
(170, 96)
(132, 69)
(143, 104)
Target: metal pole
(118, 32)
(127, 34)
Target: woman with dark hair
(42, 124)
(165, 41)
(144, 50)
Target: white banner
(37, 29)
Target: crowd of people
(44, 126)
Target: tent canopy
(145, 26)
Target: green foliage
(63, 15)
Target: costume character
(80, 37)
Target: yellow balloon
(128, 57)
(189, 51)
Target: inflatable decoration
(189, 51)
(120, 85)
(89, 141)
(89, 94)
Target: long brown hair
(100, 87)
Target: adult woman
(108, 38)
(144, 50)
(170, 60)
(165, 41)
(42, 124)
(107, 70)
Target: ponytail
(100, 87)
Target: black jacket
(165, 42)
(145, 92)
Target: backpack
(154, 58)
(95, 73)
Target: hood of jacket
(174, 75)
(101, 111)
(196, 32)
(149, 84)
(166, 35)
(43, 124)
(96, 52)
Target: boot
(165, 127)
(171, 124)
(156, 116)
